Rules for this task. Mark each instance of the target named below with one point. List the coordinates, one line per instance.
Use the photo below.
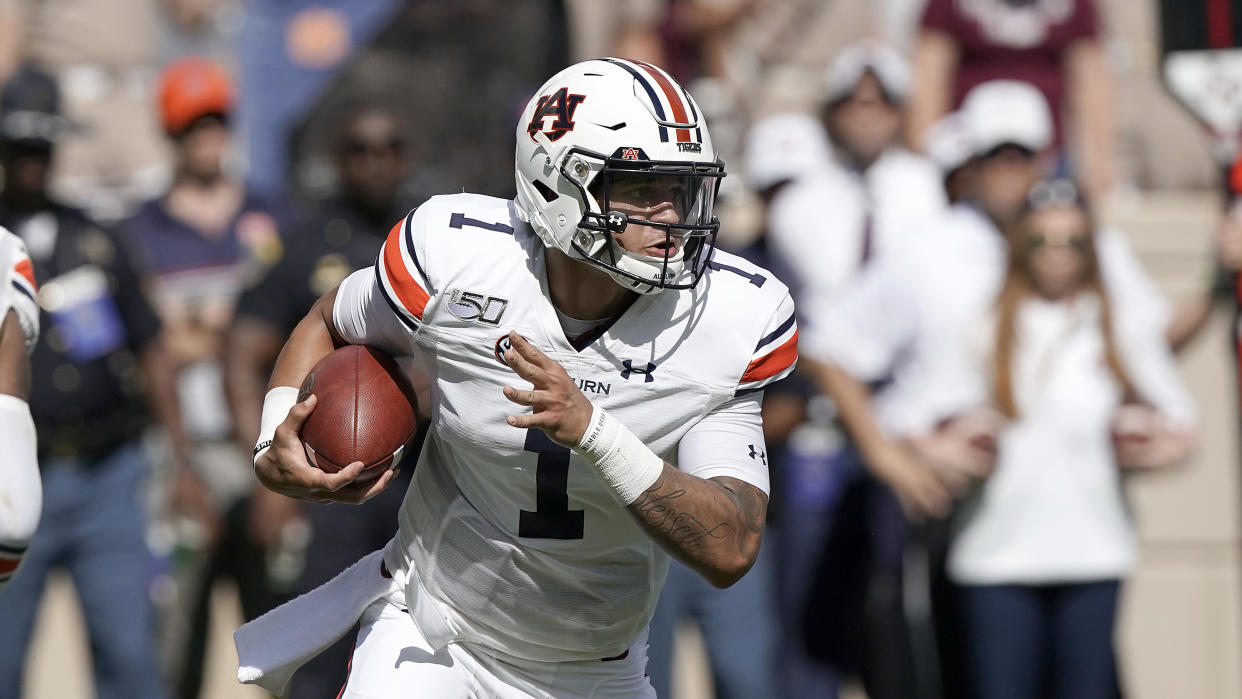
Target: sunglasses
(1078, 242)
(356, 149)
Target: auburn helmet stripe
(651, 93)
(675, 102)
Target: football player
(597, 368)
(21, 492)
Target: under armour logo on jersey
(559, 107)
(758, 455)
(629, 369)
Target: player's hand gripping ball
(365, 411)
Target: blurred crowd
(983, 363)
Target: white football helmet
(606, 120)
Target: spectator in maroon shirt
(1053, 44)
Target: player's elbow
(727, 570)
(723, 576)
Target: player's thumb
(299, 412)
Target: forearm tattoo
(700, 521)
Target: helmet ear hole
(548, 194)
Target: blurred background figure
(1082, 397)
(1223, 285)
(301, 61)
(880, 192)
(343, 234)
(841, 561)
(199, 244)
(948, 146)
(98, 363)
(906, 318)
(1054, 45)
(103, 54)
(688, 38)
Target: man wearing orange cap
(201, 244)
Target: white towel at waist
(271, 648)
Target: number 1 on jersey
(552, 518)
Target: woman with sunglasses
(1084, 396)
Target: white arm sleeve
(728, 442)
(21, 491)
(363, 317)
(1135, 299)
(1153, 371)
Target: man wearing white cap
(948, 146)
(907, 317)
(874, 191)
(872, 196)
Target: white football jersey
(522, 549)
(19, 290)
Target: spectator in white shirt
(1085, 396)
(872, 193)
(907, 318)
(842, 534)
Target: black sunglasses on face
(360, 148)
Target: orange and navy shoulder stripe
(774, 358)
(673, 106)
(24, 278)
(400, 274)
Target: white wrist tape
(626, 465)
(276, 406)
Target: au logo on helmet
(559, 107)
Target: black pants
(237, 557)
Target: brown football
(366, 411)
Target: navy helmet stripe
(650, 93)
(772, 336)
(698, 130)
(694, 113)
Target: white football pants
(393, 659)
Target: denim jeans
(93, 527)
(739, 627)
(1041, 640)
